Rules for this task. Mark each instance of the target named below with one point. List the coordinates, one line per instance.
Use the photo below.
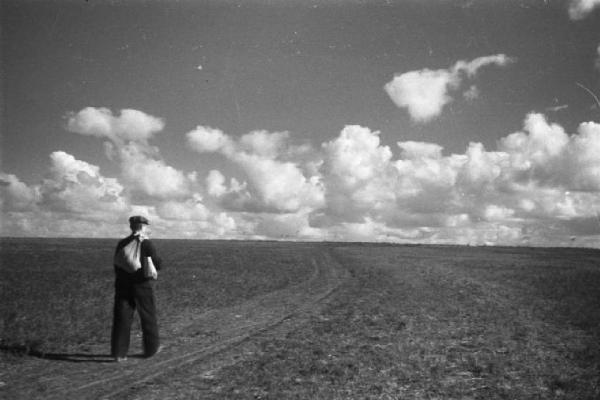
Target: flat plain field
(282, 320)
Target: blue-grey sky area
(408, 121)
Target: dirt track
(209, 340)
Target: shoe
(160, 348)
(120, 359)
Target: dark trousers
(130, 296)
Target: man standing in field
(134, 289)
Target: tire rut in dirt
(211, 338)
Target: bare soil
(208, 340)
(367, 321)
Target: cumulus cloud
(420, 150)
(540, 185)
(356, 170)
(76, 190)
(75, 199)
(424, 93)
(545, 154)
(424, 185)
(538, 175)
(74, 186)
(143, 170)
(215, 183)
(265, 144)
(189, 210)
(364, 191)
(579, 9)
(71, 196)
(191, 220)
(287, 226)
(151, 176)
(16, 195)
(276, 183)
(280, 185)
(205, 139)
(582, 158)
(130, 125)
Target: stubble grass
(416, 322)
(57, 294)
(437, 323)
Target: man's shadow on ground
(68, 357)
(75, 357)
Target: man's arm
(150, 251)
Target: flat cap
(138, 219)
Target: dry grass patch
(430, 323)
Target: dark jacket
(147, 250)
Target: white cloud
(130, 125)
(143, 171)
(190, 210)
(495, 193)
(75, 186)
(579, 9)
(224, 223)
(204, 139)
(370, 230)
(418, 150)
(149, 176)
(215, 183)
(583, 158)
(424, 93)
(73, 200)
(544, 153)
(287, 227)
(540, 186)
(275, 184)
(280, 186)
(66, 167)
(472, 93)
(472, 67)
(356, 170)
(53, 224)
(16, 195)
(76, 200)
(265, 144)
(355, 156)
(191, 223)
(540, 143)
(494, 212)
(479, 168)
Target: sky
(450, 122)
